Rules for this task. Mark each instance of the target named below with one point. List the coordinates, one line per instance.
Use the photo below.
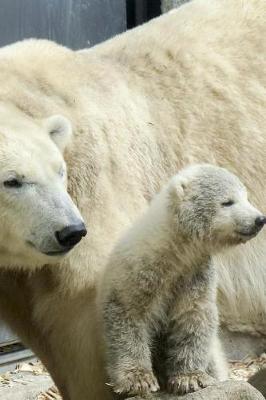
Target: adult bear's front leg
(71, 334)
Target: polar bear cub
(158, 294)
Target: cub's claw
(189, 382)
(137, 381)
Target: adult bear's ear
(59, 129)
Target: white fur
(60, 130)
(187, 87)
(31, 214)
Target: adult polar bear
(189, 86)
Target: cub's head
(211, 204)
(39, 221)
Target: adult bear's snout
(69, 236)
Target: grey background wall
(75, 23)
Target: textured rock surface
(259, 381)
(229, 390)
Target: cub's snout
(257, 225)
(260, 222)
(247, 231)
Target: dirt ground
(239, 370)
(244, 369)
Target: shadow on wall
(169, 4)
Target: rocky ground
(32, 377)
(243, 370)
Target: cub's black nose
(71, 235)
(260, 221)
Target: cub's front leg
(193, 325)
(128, 352)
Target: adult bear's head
(39, 221)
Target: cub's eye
(13, 183)
(61, 172)
(228, 203)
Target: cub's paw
(137, 381)
(189, 382)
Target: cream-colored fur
(33, 194)
(187, 87)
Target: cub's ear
(59, 129)
(177, 188)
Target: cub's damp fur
(158, 294)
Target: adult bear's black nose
(71, 235)
(260, 221)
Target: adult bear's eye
(13, 183)
(228, 203)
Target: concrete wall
(74, 23)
